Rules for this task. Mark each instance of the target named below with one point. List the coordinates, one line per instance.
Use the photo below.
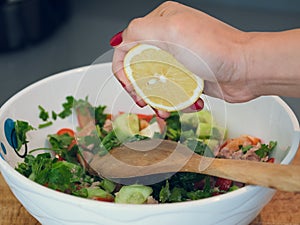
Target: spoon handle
(278, 176)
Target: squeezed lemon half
(160, 80)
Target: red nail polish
(198, 105)
(123, 84)
(116, 39)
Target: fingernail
(123, 84)
(116, 39)
(140, 104)
(198, 105)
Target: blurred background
(39, 38)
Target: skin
(237, 66)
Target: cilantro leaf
(21, 128)
(173, 126)
(177, 195)
(59, 175)
(100, 116)
(61, 144)
(41, 166)
(245, 148)
(54, 115)
(64, 175)
(165, 193)
(266, 149)
(198, 194)
(43, 125)
(60, 141)
(199, 147)
(67, 107)
(44, 115)
(25, 168)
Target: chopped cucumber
(133, 194)
(126, 125)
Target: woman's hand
(226, 58)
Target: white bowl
(266, 117)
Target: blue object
(9, 130)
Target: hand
(229, 60)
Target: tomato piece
(146, 117)
(223, 184)
(66, 131)
(271, 160)
(143, 124)
(59, 158)
(254, 140)
(107, 199)
(71, 133)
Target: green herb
(64, 176)
(58, 175)
(199, 147)
(41, 166)
(25, 167)
(61, 144)
(21, 128)
(177, 195)
(181, 187)
(60, 141)
(67, 111)
(266, 149)
(54, 115)
(173, 126)
(136, 137)
(199, 194)
(233, 188)
(67, 107)
(43, 125)
(44, 115)
(100, 116)
(186, 180)
(245, 148)
(165, 193)
(110, 141)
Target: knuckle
(134, 24)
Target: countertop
(283, 209)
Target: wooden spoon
(157, 156)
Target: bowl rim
(6, 168)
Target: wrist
(271, 63)
(254, 60)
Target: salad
(63, 165)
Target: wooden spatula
(157, 156)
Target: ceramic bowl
(266, 117)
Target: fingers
(156, 20)
(197, 106)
